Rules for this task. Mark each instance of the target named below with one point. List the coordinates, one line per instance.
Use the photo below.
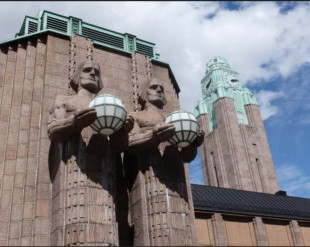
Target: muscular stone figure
(82, 166)
(70, 114)
(159, 207)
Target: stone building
(37, 65)
(236, 153)
(242, 204)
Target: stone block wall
(262, 150)
(236, 155)
(32, 73)
(25, 186)
(221, 229)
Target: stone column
(232, 146)
(219, 230)
(84, 190)
(260, 233)
(159, 204)
(191, 206)
(83, 176)
(296, 233)
(267, 171)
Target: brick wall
(25, 185)
(236, 155)
(240, 230)
(31, 75)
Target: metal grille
(131, 45)
(144, 49)
(103, 37)
(32, 27)
(75, 26)
(56, 24)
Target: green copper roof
(215, 62)
(71, 26)
(220, 81)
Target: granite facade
(224, 229)
(44, 206)
(237, 155)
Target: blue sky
(266, 42)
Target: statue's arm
(141, 141)
(120, 139)
(189, 153)
(61, 127)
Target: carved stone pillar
(260, 232)
(83, 209)
(296, 233)
(159, 206)
(82, 164)
(219, 230)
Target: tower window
(216, 179)
(208, 85)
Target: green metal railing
(74, 26)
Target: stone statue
(82, 165)
(159, 204)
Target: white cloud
(256, 34)
(293, 180)
(264, 99)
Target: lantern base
(183, 144)
(106, 131)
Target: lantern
(111, 114)
(186, 127)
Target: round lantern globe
(186, 128)
(111, 114)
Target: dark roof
(214, 199)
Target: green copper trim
(74, 26)
(219, 82)
(248, 97)
(217, 62)
(201, 108)
(31, 35)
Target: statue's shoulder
(61, 99)
(134, 114)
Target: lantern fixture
(111, 114)
(186, 128)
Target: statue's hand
(200, 138)
(164, 131)
(85, 117)
(128, 123)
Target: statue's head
(87, 76)
(153, 92)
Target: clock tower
(235, 153)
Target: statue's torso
(148, 119)
(68, 105)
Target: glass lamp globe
(186, 127)
(111, 114)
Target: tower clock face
(232, 80)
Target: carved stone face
(90, 75)
(155, 93)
